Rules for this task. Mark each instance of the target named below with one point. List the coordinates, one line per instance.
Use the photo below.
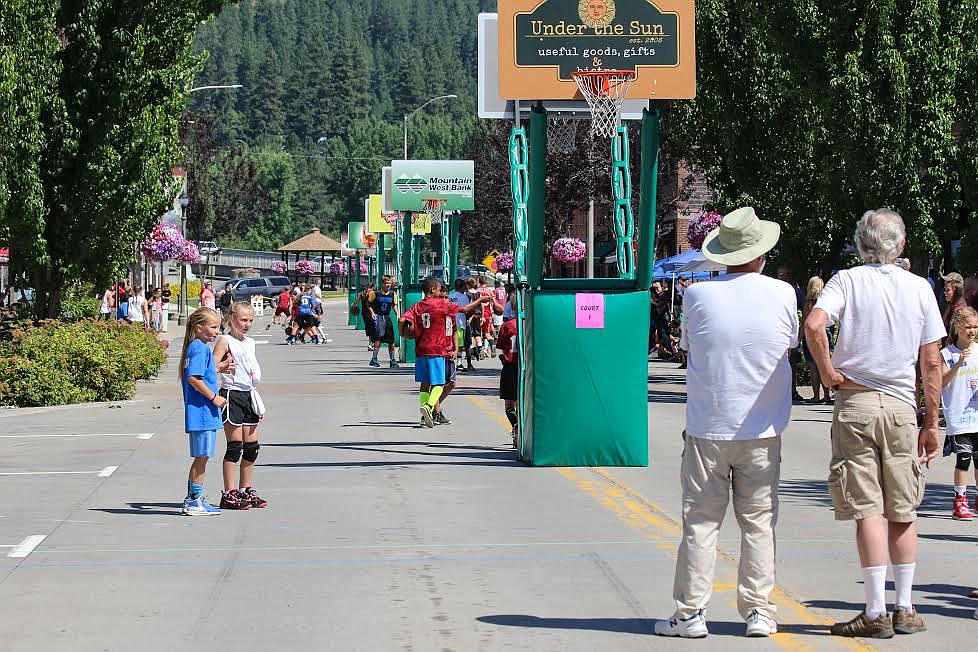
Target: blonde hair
(197, 318)
(959, 316)
(238, 306)
(815, 287)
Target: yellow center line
(655, 523)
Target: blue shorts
(202, 443)
(429, 370)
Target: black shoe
(441, 419)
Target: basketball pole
(648, 190)
(537, 196)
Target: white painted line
(137, 435)
(26, 546)
(107, 471)
(50, 473)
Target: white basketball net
(434, 209)
(561, 136)
(604, 91)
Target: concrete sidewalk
(381, 535)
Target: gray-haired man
(888, 320)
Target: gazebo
(313, 242)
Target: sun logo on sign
(596, 13)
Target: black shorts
(308, 321)
(238, 410)
(451, 370)
(957, 444)
(475, 326)
(386, 324)
(508, 382)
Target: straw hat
(741, 238)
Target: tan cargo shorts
(874, 468)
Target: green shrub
(80, 308)
(57, 363)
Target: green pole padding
(456, 222)
(446, 249)
(381, 260)
(536, 202)
(359, 286)
(648, 187)
(351, 320)
(621, 187)
(519, 186)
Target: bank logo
(596, 13)
(413, 184)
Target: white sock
(903, 580)
(874, 584)
(960, 489)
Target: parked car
(208, 248)
(462, 272)
(269, 287)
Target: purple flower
(700, 226)
(568, 250)
(305, 268)
(164, 243)
(279, 267)
(505, 262)
(337, 269)
(189, 253)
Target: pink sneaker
(961, 511)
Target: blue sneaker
(374, 363)
(199, 507)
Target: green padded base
(586, 388)
(413, 295)
(351, 297)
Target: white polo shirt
(738, 330)
(885, 315)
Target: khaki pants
(709, 469)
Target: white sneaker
(760, 625)
(692, 627)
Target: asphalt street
(381, 535)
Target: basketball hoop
(561, 135)
(604, 91)
(434, 209)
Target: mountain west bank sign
(414, 181)
(543, 42)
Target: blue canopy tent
(665, 267)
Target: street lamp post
(411, 115)
(182, 201)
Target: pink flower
(505, 262)
(568, 250)
(305, 268)
(279, 267)
(700, 227)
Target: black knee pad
(964, 461)
(251, 450)
(511, 415)
(233, 453)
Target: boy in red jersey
(431, 323)
(509, 378)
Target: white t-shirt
(247, 372)
(459, 299)
(885, 315)
(738, 329)
(960, 397)
(136, 305)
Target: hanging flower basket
(505, 262)
(305, 268)
(364, 268)
(279, 267)
(337, 269)
(700, 226)
(164, 243)
(568, 250)
(189, 253)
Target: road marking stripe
(26, 546)
(643, 515)
(137, 435)
(107, 471)
(103, 473)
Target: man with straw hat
(738, 330)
